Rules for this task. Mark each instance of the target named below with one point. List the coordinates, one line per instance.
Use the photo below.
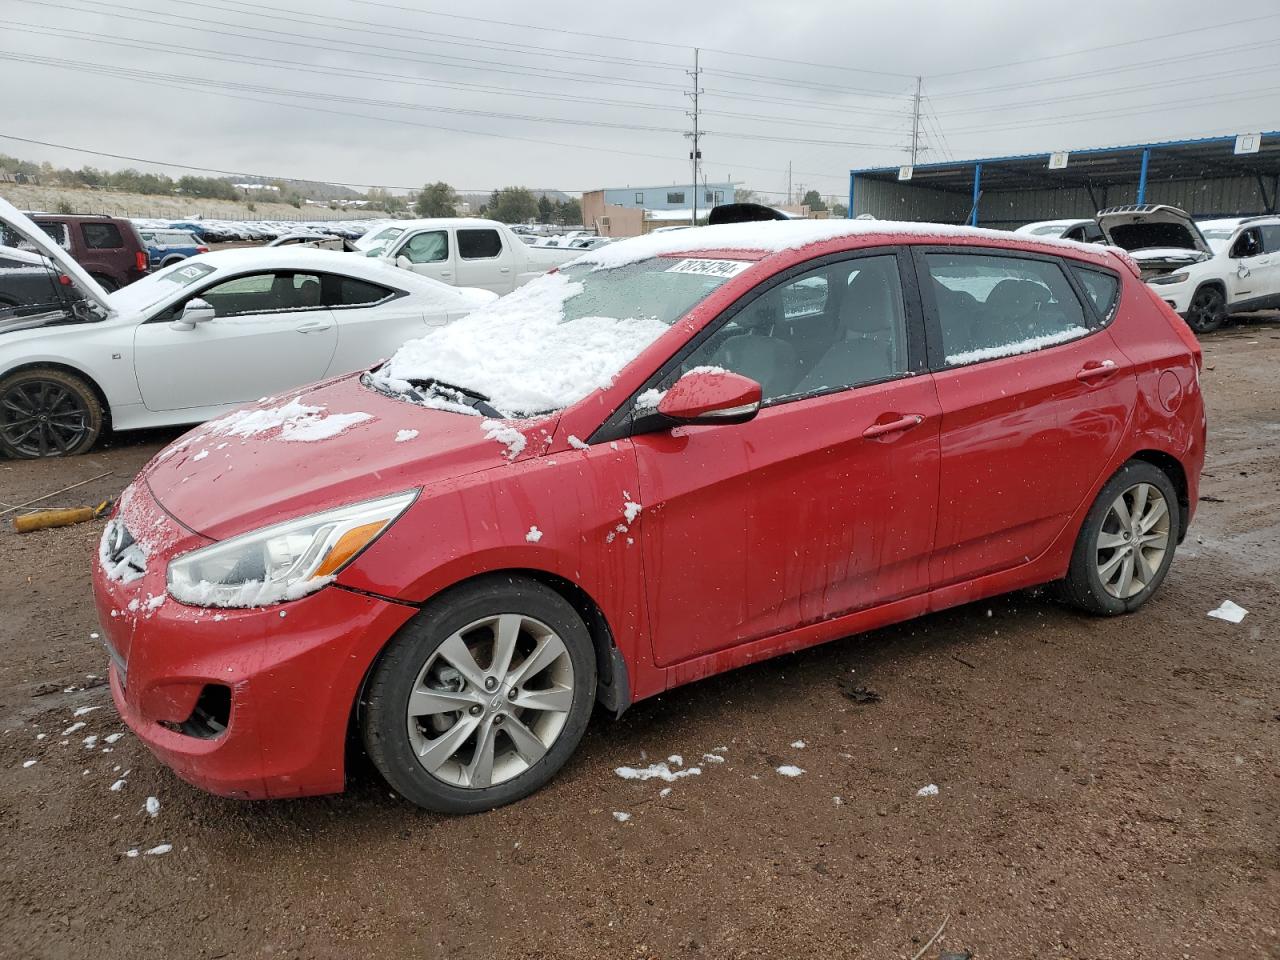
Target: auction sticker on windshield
(710, 268)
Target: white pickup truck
(463, 251)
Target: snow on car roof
(774, 236)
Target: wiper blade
(473, 398)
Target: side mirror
(709, 395)
(404, 263)
(195, 312)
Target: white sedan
(196, 339)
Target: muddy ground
(1107, 788)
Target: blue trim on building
(977, 194)
(849, 212)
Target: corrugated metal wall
(892, 200)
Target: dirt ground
(1106, 788)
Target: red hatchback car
(680, 454)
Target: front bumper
(291, 671)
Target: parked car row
(1205, 271)
(228, 231)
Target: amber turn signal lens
(348, 545)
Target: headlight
(285, 561)
(1169, 278)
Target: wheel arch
(613, 680)
(1171, 467)
(72, 370)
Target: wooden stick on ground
(936, 935)
(71, 486)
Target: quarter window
(1270, 238)
(102, 236)
(429, 247)
(1100, 287)
(993, 306)
(835, 327)
(358, 293)
(479, 244)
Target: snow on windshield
(153, 288)
(554, 340)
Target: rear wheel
(105, 282)
(1208, 310)
(47, 413)
(482, 697)
(1127, 542)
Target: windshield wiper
(473, 398)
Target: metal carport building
(1205, 177)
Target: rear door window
(991, 306)
(1101, 288)
(58, 231)
(479, 244)
(101, 236)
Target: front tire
(1208, 310)
(1127, 542)
(482, 697)
(45, 412)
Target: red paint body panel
(753, 539)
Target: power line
(383, 52)
(1128, 68)
(1197, 30)
(345, 74)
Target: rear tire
(1126, 543)
(482, 697)
(1208, 310)
(45, 412)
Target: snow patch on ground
(929, 790)
(620, 816)
(27, 764)
(798, 744)
(153, 806)
(1229, 611)
(787, 770)
(659, 771)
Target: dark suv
(109, 248)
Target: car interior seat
(868, 346)
(756, 352)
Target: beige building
(608, 219)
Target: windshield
(155, 287)
(382, 237)
(557, 338)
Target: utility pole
(788, 183)
(695, 155)
(915, 121)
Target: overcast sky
(382, 82)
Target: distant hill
(310, 189)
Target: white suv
(1204, 271)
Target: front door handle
(893, 426)
(1096, 370)
(313, 326)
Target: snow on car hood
(522, 353)
(22, 225)
(325, 446)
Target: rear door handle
(893, 426)
(313, 326)
(1096, 369)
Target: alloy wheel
(1133, 540)
(41, 418)
(1208, 310)
(490, 701)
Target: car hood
(331, 444)
(1152, 226)
(22, 225)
